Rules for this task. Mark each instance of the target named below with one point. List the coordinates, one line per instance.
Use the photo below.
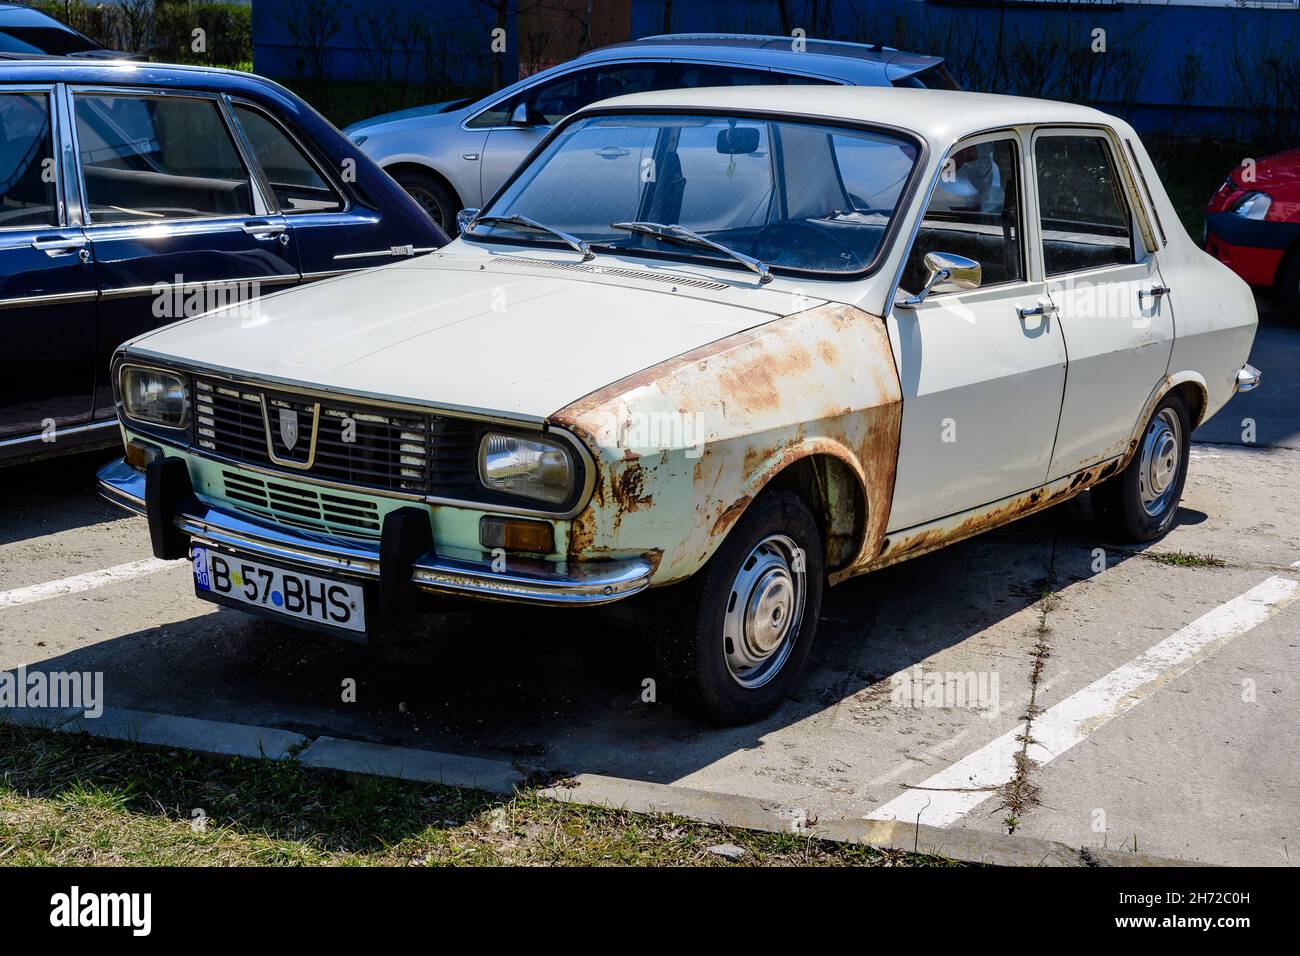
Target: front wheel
(1139, 503)
(743, 626)
(431, 197)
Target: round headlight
(156, 397)
(528, 467)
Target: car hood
(475, 335)
(414, 113)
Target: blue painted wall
(1226, 71)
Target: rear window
(932, 78)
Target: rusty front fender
(682, 448)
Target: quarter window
(1085, 221)
(26, 161)
(154, 158)
(974, 212)
(295, 180)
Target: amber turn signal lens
(516, 534)
(139, 454)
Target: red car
(1252, 224)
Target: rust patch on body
(730, 514)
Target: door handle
(1155, 292)
(1043, 308)
(611, 152)
(265, 230)
(59, 245)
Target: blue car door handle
(59, 245)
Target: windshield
(798, 196)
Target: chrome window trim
(51, 94)
(1151, 201)
(233, 102)
(1136, 210)
(260, 205)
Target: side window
(550, 102)
(690, 76)
(1085, 220)
(297, 183)
(148, 158)
(975, 212)
(26, 161)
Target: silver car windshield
(808, 197)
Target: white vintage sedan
(730, 345)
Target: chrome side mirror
(464, 218)
(946, 272)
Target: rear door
(47, 280)
(332, 235)
(1103, 276)
(176, 221)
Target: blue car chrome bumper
(525, 580)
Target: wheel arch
(1190, 386)
(396, 167)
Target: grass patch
(1185, 559)
(78, 801)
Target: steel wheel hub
(1160, 462)
(764, 609)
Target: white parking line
(955, 791)
(84, 582)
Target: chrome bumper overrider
(1247, 379)
(468, 573)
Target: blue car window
(297, 183)
(26, 161)
(149, 158)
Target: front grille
(333, 512)
(356, 444)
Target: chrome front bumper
(525, 580)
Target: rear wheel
(741, 629)
(1140, 502)
(431, 196)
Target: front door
(175, 222)
(983, 370)
(1105, 282)
(47, 282)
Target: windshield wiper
(675, 233)
(573, 242)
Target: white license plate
(291, 593)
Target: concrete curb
(497, 776)
(204, 736)
(970, 846)
(405, 763)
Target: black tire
(1287, 285)
(1118, 503)
(432, 197)
(693, 649)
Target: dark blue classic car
(133, 195)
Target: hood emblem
(289, 427)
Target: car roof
(939, 116)
(25, 68)
(857, 62)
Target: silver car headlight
(1254, 206)
(528, 467)
(154, 396)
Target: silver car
(455, 155)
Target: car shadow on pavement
(53, 495)
(564, 691)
